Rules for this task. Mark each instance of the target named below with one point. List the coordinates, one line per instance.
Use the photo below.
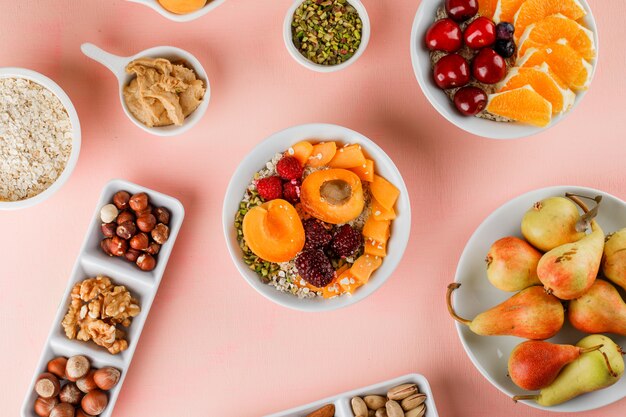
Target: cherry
(444, 35)
(451, 71)
(470, 100)
(461, 10)
(480, 33)
(488, 67)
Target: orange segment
(505, 10)
(532, 11)
(487, 8)
(570, 67)
(301, 151)
(381, 213)
(364, 267)
(523, 105)
(554, 28)
(365, 171)
(350, 156)
(322, 154)
(385, 192)
(542, 80)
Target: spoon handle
(116, 64)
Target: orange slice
(564, 61)
(505, 10)
(522, 105)
(543, 81)
(532, 11)
(487, 8)
(555, 28)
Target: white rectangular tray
(342, 401)
(92, 262)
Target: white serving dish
(117, 65)
(342, 401)
(92, 262)
(76, 135)
(302, 60)
(154, 5)
(280, 142)
(490, 354)
(423, 72)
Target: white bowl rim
(476, 126)
(302, 60)
(401, 231)
(49, 84)
(180, 18)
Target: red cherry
(480, 33)
(470, 100)
(488, 67)
(451, 71)
(444, 35)
(461, 10)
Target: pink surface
(213, 346)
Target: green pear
(532, 314)
(551, 223)
(592, 371)
(614, 261)
(599, 310)
(512, 264)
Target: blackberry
(315, 267)
(346, 241)
(317, 237)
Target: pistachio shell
(416, 412)
(413, 401)
(358, 407)
(374, 402)
(402, 391)
(394, 409)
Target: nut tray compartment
(342, 401)
(92, 262)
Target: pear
(535, 364)
(531, 314)
(551, 223)
(614, 261)
(512, 264)
(592, 371)
(599, 310)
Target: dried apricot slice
(334, 195)
(364, 267)
(182, 6)
(348, 157)
(384, 192)
(365, 171)
(322, 154)
(301, 151)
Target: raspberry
(291, 191)
(317, 237)
(346, 241)
(315, 267)
(270, 188)
(289, 168)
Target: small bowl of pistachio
(326, 35)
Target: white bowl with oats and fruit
(186, 16)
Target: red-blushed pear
(569, 270)
(614, 260)
(512, 264)
(531, 314)
(535, 364)
(599, 310)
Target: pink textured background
(212, 346)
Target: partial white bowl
(76, 135)
(305, 62)
(480, 127)
(281, 141)
(117, 65)
(154, 4)
(490, 354)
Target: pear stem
(525, 397)
(455, 316)
(589, 215)
(608, 365)
(590, 349)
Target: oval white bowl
(154, 5)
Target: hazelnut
(146, 222)
(106, 378)
(118, 246)
(62, 410)
(70, 394)
(148, 210)
(146, 262)
(121, 199)
(105, 245)
(108, 213)
(94, 402)
(47, 385)
(81, 413)
(87, 383)
(57, 366)
(126, 230)
(108, 229)
(77, 367)
(139, 202)
(140, 241)
(125, 216)
(160, 233)
(153, 248)
(162, 215)
(132, 255)
(43, 406)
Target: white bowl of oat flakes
(39, 138)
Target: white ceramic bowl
(281, 141)
(154, 4)
(117, 65)
(490, 354)
(423, 72)
(302, 60)
(76, 136)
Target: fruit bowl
(281, 141)
(481, 127)
(490, 353)
(154, 5)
